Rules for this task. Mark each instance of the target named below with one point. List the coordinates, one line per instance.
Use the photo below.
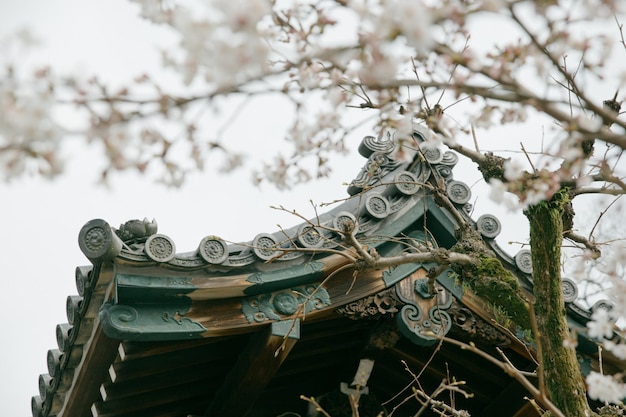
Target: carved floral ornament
(419, 306)
(406, 183)
(427, 319)
(384, 303)
(523, 260)
(136, 230)
(310, 236)
(281, 305)
(159, 322)
(97, 241)
(424, 316)
(458, 192)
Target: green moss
(492, 267)
(489, 279)
(552, 206)
(469, 241)
(611, 410)
(500, 315)
(560, 365)
(492, 166)
(498, 286)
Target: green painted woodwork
(424, 328)
(283, 304)
(264, 282)
(443, 226)
(393, 275)
(286, 328)
(132, 288)
(449, 280)
(423, 318)
(422, 288)
(147, 322)
(412, 224)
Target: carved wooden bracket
(165, 321)
(423, 319)
(424, 316)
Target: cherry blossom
(601, 325)
(605, 388)
(513, 170)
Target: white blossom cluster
(331, 57)
(30, 139)
(605, 388)
(220, 41)
(606, 326)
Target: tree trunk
(561, 370)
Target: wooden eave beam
(199, 285)
(91, 373)
(98, 353)
(224, 317)
(257, 364)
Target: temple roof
(247, 328)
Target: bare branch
(510, 370)
(620, 28)
(602, 190)
(593, 247)
(317, 406)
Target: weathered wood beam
(96, 355)
(258, 363)
(224, 317)
(185, 319)
(195, 285)
(153, 402)
(94, 367)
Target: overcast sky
(40, 219)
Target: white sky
(40, 220)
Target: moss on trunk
(489, 279)
(497, 285)
(562, 373)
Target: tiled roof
(155, 332)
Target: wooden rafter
(257, 364)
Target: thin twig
(317, 406)
(513, 372)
